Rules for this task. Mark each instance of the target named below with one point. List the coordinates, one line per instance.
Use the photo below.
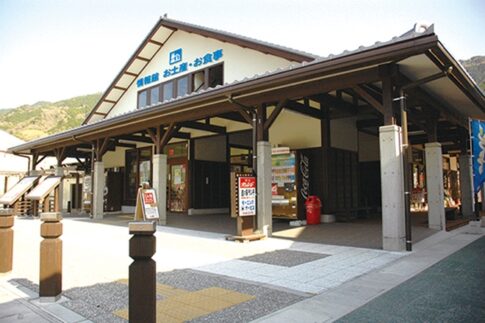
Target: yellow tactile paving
(214, 291)
(182, 305)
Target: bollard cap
(142, 227)
(51, 216)
(6, 212)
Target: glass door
(178, 187)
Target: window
(154, 95)
(183, 86)
(142, 99)
(193, 82)
(168, 91)
(215, 76)
(198, 81)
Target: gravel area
(267, 300)
(285, 257)
(97, 302)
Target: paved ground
(204, 278)
(452, 290)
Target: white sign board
(146, 205)
(246, 196)
(45, 188)
(19, 189)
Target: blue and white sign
(175, 56)
(478, 151)
(199, 61)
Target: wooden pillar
(432, 117)
(326, 145)
(262, 133)
(50, 278)
(6, 240)
(386, 73)
(142, 273)
(5, 184)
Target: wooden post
(50, 280)
(141, 284)
(6, 240)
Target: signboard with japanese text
(246, 195)
(146, 205)
(178, 65)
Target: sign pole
(142, 273)
(6, 240)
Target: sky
(56, 49)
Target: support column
(98, 190)
(6, 240)
(160, 185)
(483, 197)
(466, 185)
(265, 216)
(434, 186)
(142, 273)
(50, 273)
(392, 184)
(59, 171)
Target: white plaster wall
(295, 131)
(114, 158)
(238, 63)
(343, 134)
(368, 147)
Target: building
(193, 103)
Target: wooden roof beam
(365, 95)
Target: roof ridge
(243, 37)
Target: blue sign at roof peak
(175, 56)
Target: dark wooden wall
(210, 184)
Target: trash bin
(313, 205)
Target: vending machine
(290, 183)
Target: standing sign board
(146, 205)
(247, 195)
(243, 194)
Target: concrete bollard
(50, 279)
(141, 279)
(6, 240)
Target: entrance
(177, 198)
(177, 177)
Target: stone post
(264, 210)
(142, 273)
(434, 186)
(392, 184)
(98, 190)
(6, 240)
(466, 186)
(160, 185)
(50, 280)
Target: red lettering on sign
(148, 198)
(247, 182)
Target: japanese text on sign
(247, 196)
(199, 61)
(176, 57)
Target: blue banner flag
(478, 151)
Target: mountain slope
(476, 67)
(29, 122)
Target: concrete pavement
(295, 275)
